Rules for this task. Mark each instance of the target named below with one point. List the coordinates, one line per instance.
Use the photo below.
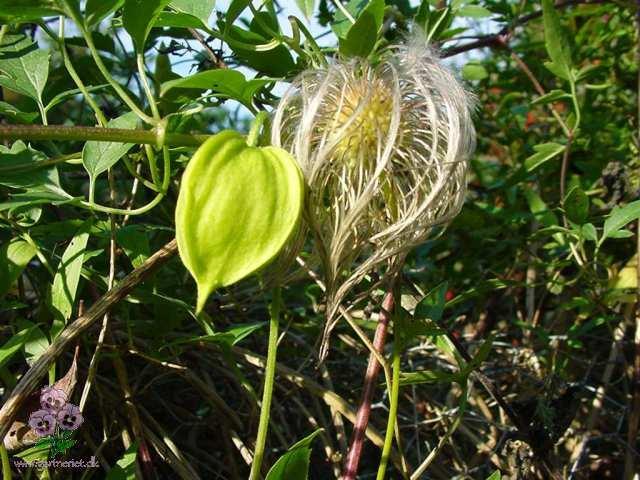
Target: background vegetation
(516, 333)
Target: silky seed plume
(384, 151)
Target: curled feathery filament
(384, 151)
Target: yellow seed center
(370, 102)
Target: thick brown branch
(30, 381)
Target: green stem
(344, 11)
(83, 134)
(267, 393)
(145, 208)
(27, 238)
(59, 39)
(7, 170)
(153, 168)
(576, 106)
(141, 179)
(393, 408)
(6, 465)
(105, 71)
(43, 113)
(254, 133)
(318, 56)
(146, 88)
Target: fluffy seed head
(384, 151)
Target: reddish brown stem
(364, 410)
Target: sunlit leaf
(15, 255)
(556, 41)
(295, 462)
(98, 157)
(139, 16)
(24, 67)
(362, 36)
(544, 153)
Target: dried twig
(329, 397)
(29, 382)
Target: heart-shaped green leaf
(238, 206)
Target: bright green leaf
(233, 12)
(495, 475)
(619, 217)
(341, 24)
(179, 20)
(589, 232)
(24, 67)
(98, 157)
(67, 277)
(139, 16)
(474, 11)
(294, 463)
(97, 10)
(22, 11)
(229, 337)
(446, 346)
(552, 96)
(230, 83)
(198, 8)
(238, 205)
(125, 468)
(36, 196)
(428, 376)
(556, 41)
(39, 451)
(16, 115)
(13, 345)
(274, 60)
(362, 36)
(36, 342)
(306, 7)
(544, 153)
(67, 94)
(15, 255)
(474, 71)
(621, 234)
(539, 209)
(19, 168)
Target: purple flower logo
(43, 422)
(69, 417)
(52, 399)
(55, 422)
